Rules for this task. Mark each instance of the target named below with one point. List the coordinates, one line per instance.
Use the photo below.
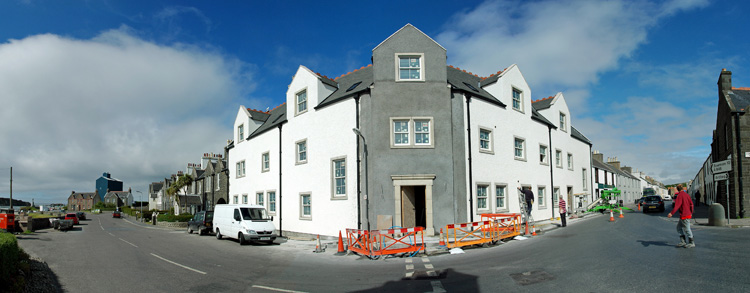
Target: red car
(72, 216)
(116, 214)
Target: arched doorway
(221, 201)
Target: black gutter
(280, 185)
(551, 175)
(739, 162)
(471, 181)
(359, 161)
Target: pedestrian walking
(563, 212)
(684, 204)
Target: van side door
(236, 224)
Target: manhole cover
(533, 277)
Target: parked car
(667, 197)
(653, 203)
(81, 215)
(640, 200)
(201, 222)
(116, 214)
(244, 222)
(72, 216)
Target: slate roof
(740, 98)
(539, 117)
(276, 117)
(578, 135)
(257, 115)
(349, 85)
(543, 103)
(191, 199)
(470, 84)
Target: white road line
(408, 260)
(425, 259)
(277, 289)
(428, 266)
(432, 274)
(134, 224)
(410, 267)
(110, 234)
(437, 287)
(179, 265)
(123, 240)
(409, 274)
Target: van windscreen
(254, 214)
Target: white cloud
(73, 109)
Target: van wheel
(218, 234)
(241, 238)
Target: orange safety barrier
(468, 234)
(505, 225)
(384, 242)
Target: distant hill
(4, 201)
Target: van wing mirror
(271, 218)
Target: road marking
(110, 234)
(409, 274)
(277, 289)
(179, 265)
(437, 287)
(128, 242)
(428, 266)
(410, 267)
(425, 259)
(408, 260)
(134, 224)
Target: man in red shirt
(684, 204)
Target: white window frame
(411, 135)
(482, 193)
(570, 161)
(236, 198)
(504, 188)
(541, 194)
(563, 122)
(523, 148)
(558, 158)
(513, 99)
(209, 183)
(271, 203)
(240, 133)
(299, 152)
(334, 182)
(543, 156)
(244, 198)
(265, 161)
(297, 102)
(421, 67)
(218, 182)
(302, 215)
(490, 149)
(240, 169)
(429, 131)
(555, 195)
(259, 198)
(585, 179)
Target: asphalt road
(632, 254)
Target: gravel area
(42, 278)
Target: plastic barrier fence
(503, 225)
(458, 235)
(375, 243)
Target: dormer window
(517, 101)
(563, 122)
(240, 133)
(409, 67)
(301, 102)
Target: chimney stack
(725, 80)
(598, 156)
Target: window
(726, 136)
(235, 199)
(241, 169)
(409, 67)
(208, 183)
(585, 185)
(305, 206)
(240, 133)
(302, 152)
(518, 146)
(485, 140)
(558, 158)
(517, 100)
(563, 122)
(543, 154)
(555, 195)
(411, 132)
(259, 198)
(244, 198)
(272, 201)
(339, 177)
(265, 162)
(570, 161)
(482, 197)
(540, 196)
(218, 176)
(301, 101)
(500, 197)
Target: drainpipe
(359, 161)
(280, 185)
(739, 161)
(551, 175)
(471, 181)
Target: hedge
(173, 218)
(9, 254)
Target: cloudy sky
(141, 88)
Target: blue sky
(141, 88)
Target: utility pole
(11, 189)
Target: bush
(9, 254)
(173, 218)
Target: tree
(181, 184)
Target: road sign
(721, 166)
(722, 176)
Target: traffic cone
(533, 229)
(621, 216)
(442, 242)
(341, 246)
(611, 217)
(318, 247)
(639, 206)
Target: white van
(243, 222)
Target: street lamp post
(367, 178)
(141, 204)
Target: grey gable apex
(578, 135)
(362, 78)
(277, 117)
(409, 26)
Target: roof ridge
(741, 88)
(464, 70)
(350, 72)
(259, 111)
(323, 76)
(547, 98)
(282, 104)
(497, 73)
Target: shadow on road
(451, 281)
(655, 243)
